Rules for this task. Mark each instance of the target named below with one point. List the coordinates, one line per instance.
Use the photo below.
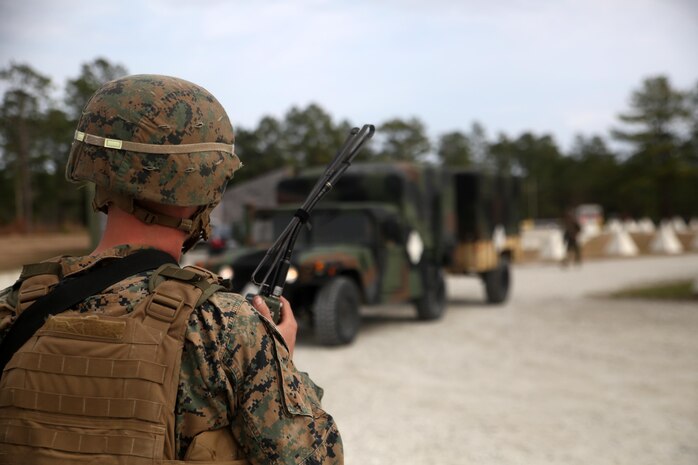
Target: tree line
(656, 176)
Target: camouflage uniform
(167, 141)
(236, 373)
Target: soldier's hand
(288, 327)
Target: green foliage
(259, 149)
(689, 147)
(35, 138)
(92, 75)
(311, 138)
(539, 161)
(402, 140)
(658, 178)
(592, 174)
(305, 137)
(654, 108)
(454, 149)
(661, 131)
(21, 121)
(671, 290)
(500, 156)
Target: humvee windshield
(379, 187)
(351, 188)
(328, 227)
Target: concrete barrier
(646, 225)
(631, 226)
(694, 243)
(589, 231)
(532, 240)
(679, 224)
(693, 224)
(613, 225)
(665, 241)
(553, 246)
(621, 245)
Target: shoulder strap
(35, 281)
(208, 282)
(74, 290)
(174, 294)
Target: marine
(162, 365)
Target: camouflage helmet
(158, 139)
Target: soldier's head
(150, 143)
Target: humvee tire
(432, 303)
(336, 312)
(497, 282)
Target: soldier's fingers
(287, 315)
(288, 325)
(261, 306)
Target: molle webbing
(36, 269)
(85, 366)
(34, 291)
(103, 407)
(108, 383)
(194, 275)
(37, 280)
(33, 441)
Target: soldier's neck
(123, 228)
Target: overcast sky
(551, 66)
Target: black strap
(302, 215)
(74, 290)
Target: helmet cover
(155, 138)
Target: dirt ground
(560, 375)
(16, 250)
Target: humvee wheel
(336, 312)
(432, 303)
(497, 282)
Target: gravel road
(557, 376)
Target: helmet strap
(201, 229)
(197, 227)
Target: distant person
(159, 363)
(571, 230)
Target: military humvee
(386, 233)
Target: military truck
(386, 233)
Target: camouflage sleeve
(7, 311)
(277, 417)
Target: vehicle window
(268, 226)
(341, 227)
(328, 227)
(350, 188)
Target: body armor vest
(101, 388)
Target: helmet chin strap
(197, 227)
(201, 229)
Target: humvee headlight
(415, 247)
(292, 275)
(226, 272)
